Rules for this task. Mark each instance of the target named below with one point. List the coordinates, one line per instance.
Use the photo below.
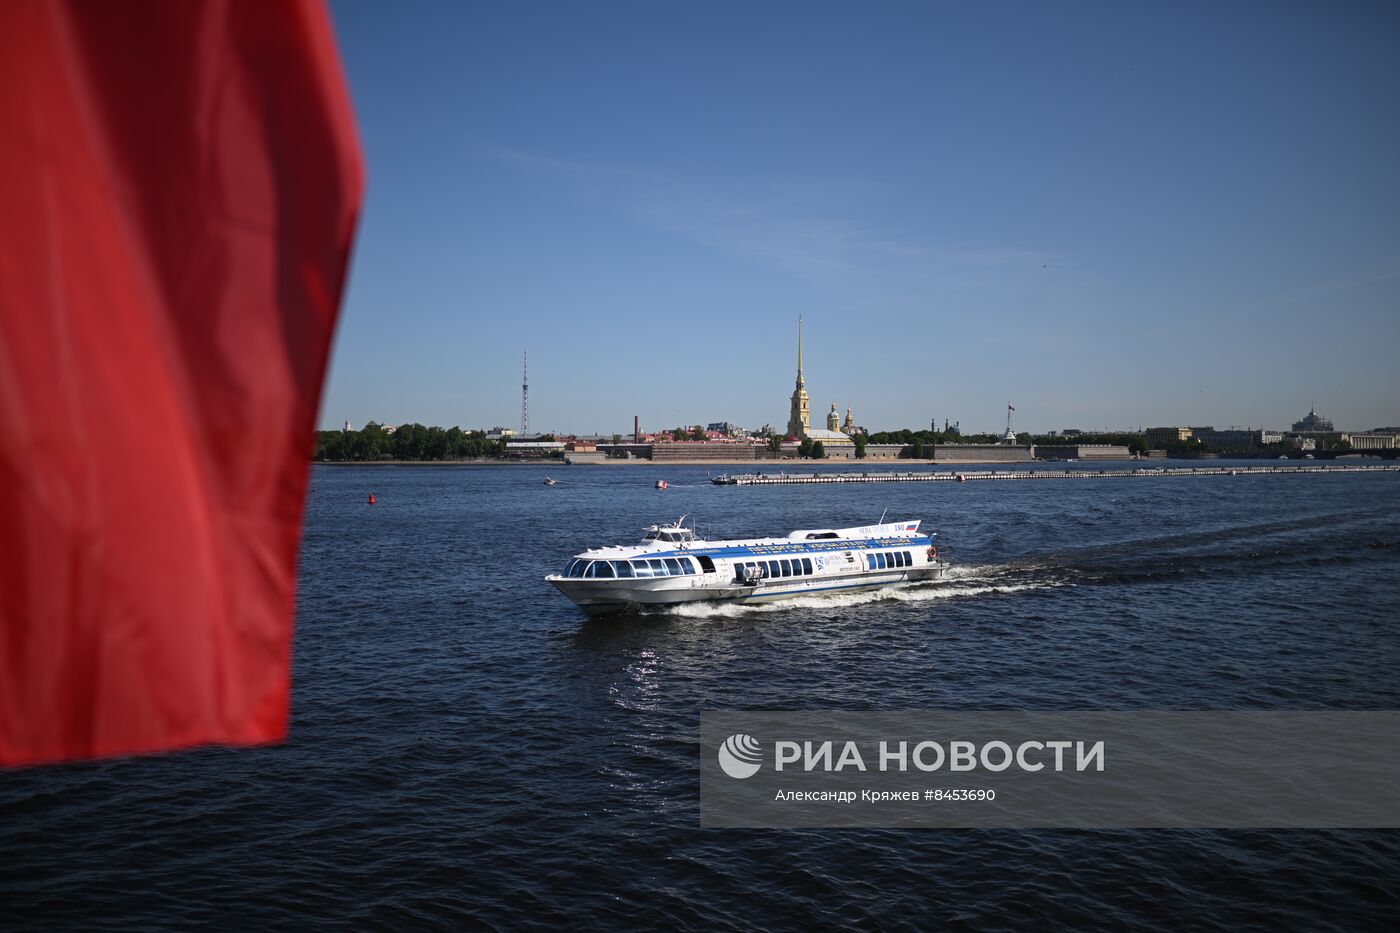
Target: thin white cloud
(814, 248)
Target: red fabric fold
(179, 184)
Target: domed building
(849, 428)
(1313, 422)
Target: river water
(468, 750)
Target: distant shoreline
(758, 465)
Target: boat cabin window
(706, 564)
(908, 559)
(641, 568)
(623, 568)
(599, 568)
(658, 567)
(577, 567)
(673, 566)
(649, 536)
(821, 535)
(870, 561)
(806, 565)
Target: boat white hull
(598, 597)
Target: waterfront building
(1081, 452)
(1233, 437)
(1371, 440)
(1313, 423)
(534, 450)
(726, 428)
(1321, 439)
(834, 443)
(718, 451)
(1161, 437)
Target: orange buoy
(371, 498)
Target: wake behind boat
(671, 566)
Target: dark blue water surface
(466, 749)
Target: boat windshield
(669, 534)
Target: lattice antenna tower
(525, 397)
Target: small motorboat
(661, 484)
(549, 481)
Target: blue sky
(1111, 215)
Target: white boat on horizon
(671, 565)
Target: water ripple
(467, 750)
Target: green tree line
(926, 438)
(1135, 443)
(408, 442)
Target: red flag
(179, 183)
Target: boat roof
(804, 541)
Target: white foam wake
(917, 593)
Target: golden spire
(799, 349)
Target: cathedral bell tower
(800, 415)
